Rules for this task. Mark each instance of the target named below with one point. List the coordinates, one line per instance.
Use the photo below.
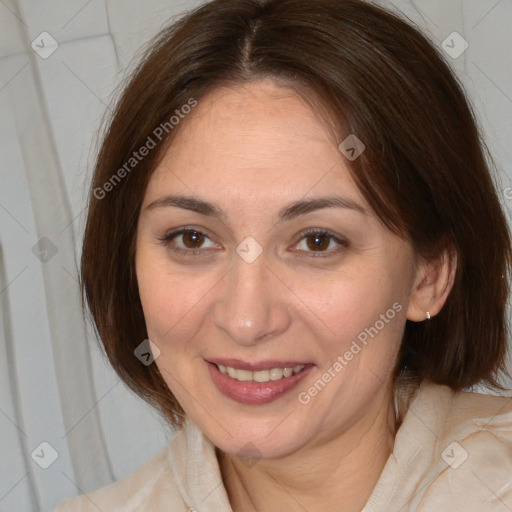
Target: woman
(293, 204)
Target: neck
(338, 473)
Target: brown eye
(188, 241)
(318, 242)
(193, 239)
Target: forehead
(253, 141)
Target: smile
(260, 375)
(256, 383)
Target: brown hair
(424, 170)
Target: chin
(255, 439)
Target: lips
(259, 365)
(243, 389)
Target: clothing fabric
(452, 452)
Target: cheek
(347, 305)
(362, 315)
(172, 301)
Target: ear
(433, 283)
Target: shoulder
(471, 450)
(466, 415)
(151, 486)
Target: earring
(428, 315)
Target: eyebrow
(291, 211)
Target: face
(258, 286)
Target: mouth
(261, 376)
(256, 383)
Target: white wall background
(54, 385)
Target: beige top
(452, 452)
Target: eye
(187, 241)
(191, 241)
(321, 241)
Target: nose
(252, 304)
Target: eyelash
(167, 239)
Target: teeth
(259, 375)
(244, 375)
(276, 374)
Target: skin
(252, 150)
